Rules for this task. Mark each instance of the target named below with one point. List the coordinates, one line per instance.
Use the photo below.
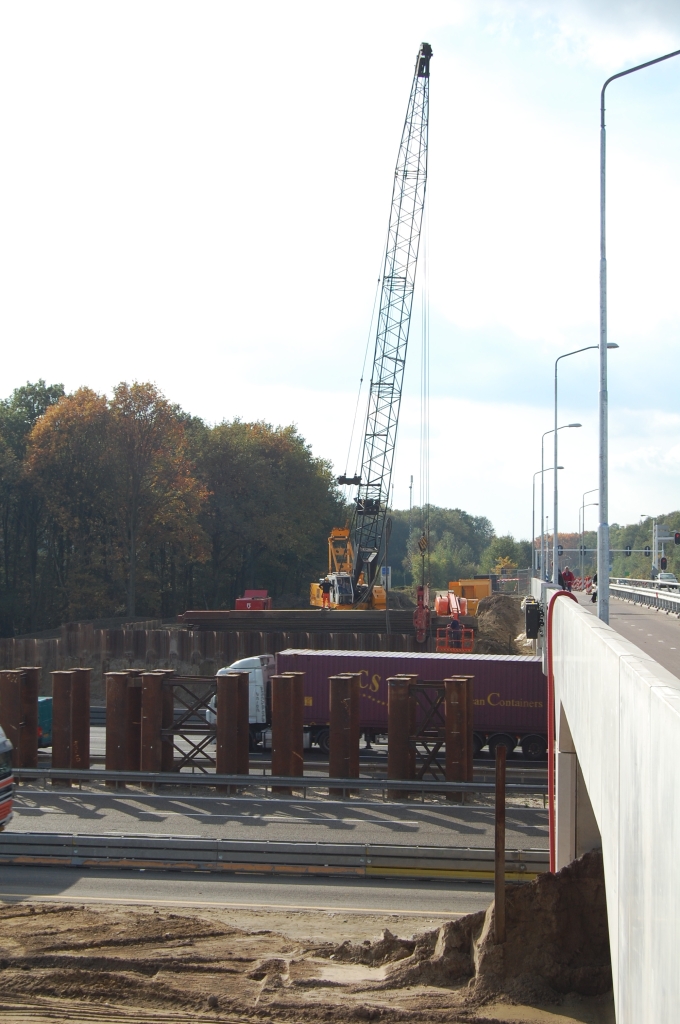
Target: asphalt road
(656, 633)
(241, 818)
(433, 899)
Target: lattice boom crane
(354, 552)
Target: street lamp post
(576, 351)
(583, 529)
(533, 516)
(555, 429)
(603, 527)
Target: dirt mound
(557, 942)
(386, 950)
(499, 622)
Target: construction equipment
(354, 552)
(469, 591)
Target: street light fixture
(576, 351)
(603, 528)
(554, 429)
(533, 514)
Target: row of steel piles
(19, 713)
(70, 716)
(402, 730)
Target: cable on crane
(424, 545)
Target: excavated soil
(94, 963)
(499, 624)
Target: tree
(71, 463)
(270, 508)
(22, 509)
(156, 495)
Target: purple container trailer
(510, 692)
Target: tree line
(129, 506)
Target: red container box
(510, 692)
(254, 601)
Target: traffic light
(648, 551)
(664, 564)
(560, 550)
(628, 550)
(677, 538)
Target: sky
(198, 195)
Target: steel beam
(343, 760)
(232, 755)
(61, 723)
(283, 687)
(30, 688)
(10, 706)
(81, 679)
(151, 754)
(116, 720)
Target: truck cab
(6, 781)
(260, 669)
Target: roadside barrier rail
(650, 596)
(152, 779)
(181, 853)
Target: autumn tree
(156, 495)
(72, 465)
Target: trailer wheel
(477, 743)
(534, 748)
(502, 739)
(323, 739)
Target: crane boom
(394, 318)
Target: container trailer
(509, 692)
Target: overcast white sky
(197, 194)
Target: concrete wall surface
(618, 720)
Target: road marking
(15, 897)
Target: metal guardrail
(179, 853)
(305, 782)
(663, 600)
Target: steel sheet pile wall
(189, 652)
(510, 692)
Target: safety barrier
(179, 853)
(662, 599)
(273, 783)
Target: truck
(509, 693)
(6, 781)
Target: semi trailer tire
(502, 739)
(323, 740)
(534, 748)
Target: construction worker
(568, 578)
(454, 633)
(326, 593)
